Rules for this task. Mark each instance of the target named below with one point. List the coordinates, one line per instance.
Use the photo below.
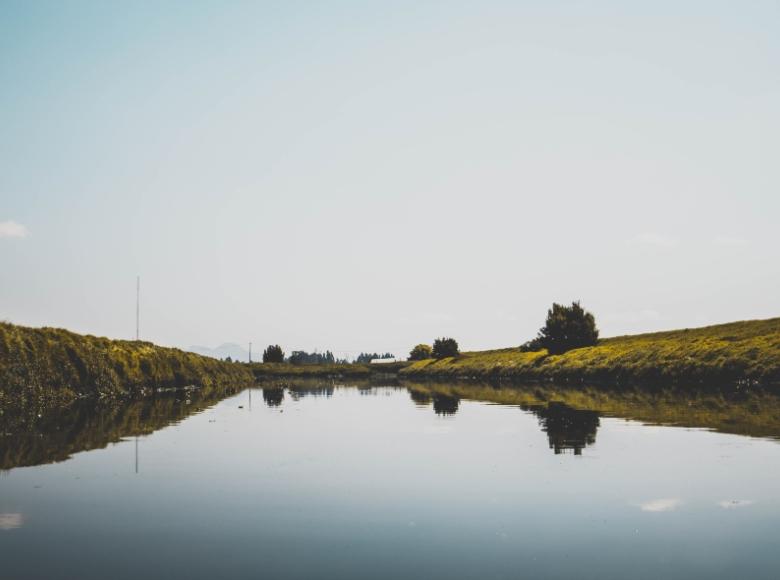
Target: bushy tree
(273, 354)
(421, 352)
(445, 347)
(566, 328)
(301, 357)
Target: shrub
(566, 328)
(421, 352)
(273, 354)
(445, 347)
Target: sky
(366, 176)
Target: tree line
(565, 328)
(275, 354)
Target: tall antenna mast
(137, 305)
(250, 352)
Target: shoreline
(48, 367)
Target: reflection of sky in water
(383, 484)
(11, 521)
(660, 505)
(731, 504)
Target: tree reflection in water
(32, 435)
(318, 390)
(567, 429)
(445, 405)
(420, 398)
(273, 396)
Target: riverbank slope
(52, 366)
(738, 352)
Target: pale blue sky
(368, 175)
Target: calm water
(329, 482)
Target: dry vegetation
(728, 353)
(50, 366)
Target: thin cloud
(11, 229)
(655, 239)
(660, 505)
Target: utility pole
(137, 306)
(250, 352)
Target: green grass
(50, 366)
(263, 371)
(727, 353)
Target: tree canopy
(445, 347)
(273, 354)
(301, 357)
(566, 328)
(421, 352)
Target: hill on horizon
(224, 350)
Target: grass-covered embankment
(51, 366)
(727, 353)
(270, 371)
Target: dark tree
(421, 352)
(367, 357)
(566, 328)
(273, 354)
(445, 347)
(301, 357)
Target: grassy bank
(50, 366)
(270, 371)
(727, 353)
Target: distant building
(379, 361)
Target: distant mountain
(228, 349)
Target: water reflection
(30, 436)
(420, 398)
(445, 404)
(273, 396)
(661, 505)
(570, 417)
(353, 480)
(304, 389)
(11, 521)
(567, 429)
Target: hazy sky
(366, 175)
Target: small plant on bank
(273, 354)
(421, 352)
(445, 347)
